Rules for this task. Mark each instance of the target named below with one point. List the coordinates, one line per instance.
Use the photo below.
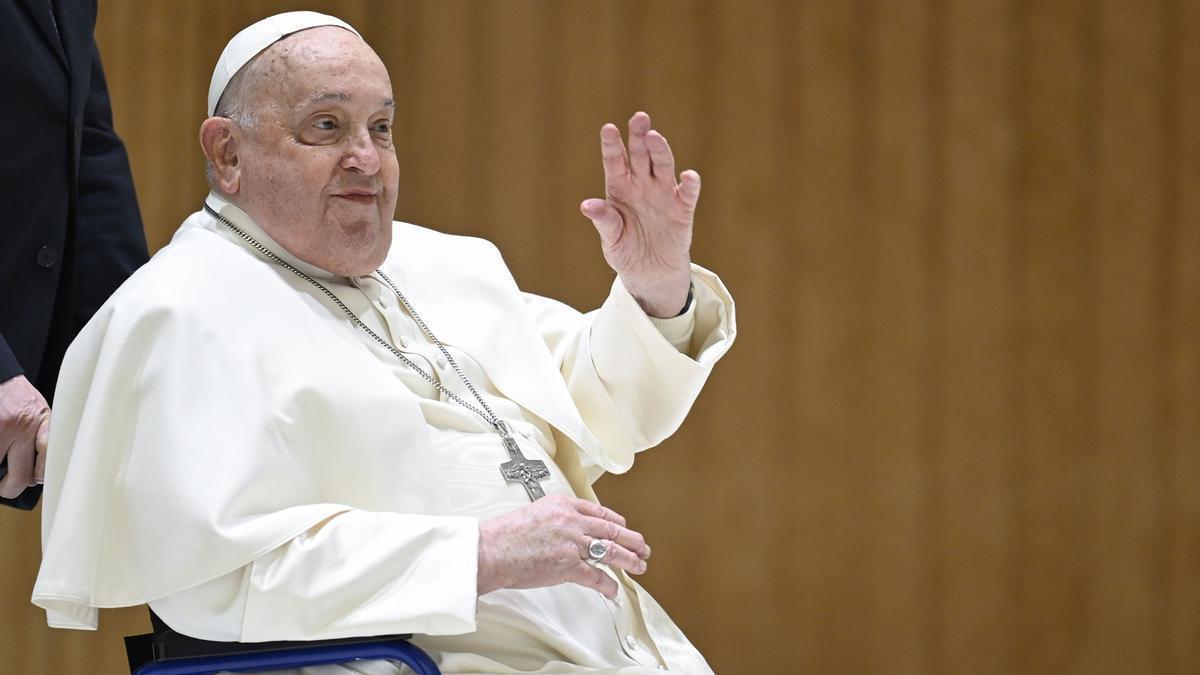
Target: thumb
(40, 443)
(605, 217)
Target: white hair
(236, 103)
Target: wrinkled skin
(645, 220)
(318, 170)
(24, 428)
(546, 543)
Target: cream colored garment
(395, 548)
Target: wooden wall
(960, 430)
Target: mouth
(357, 195)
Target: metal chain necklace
(518, 469)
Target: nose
(361, 153)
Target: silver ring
(597, 549)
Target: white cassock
(230, 449)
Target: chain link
(487, 414)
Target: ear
(220, 140)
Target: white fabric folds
(217, 408)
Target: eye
(382, 127)
(325, 124)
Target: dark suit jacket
(70, 231)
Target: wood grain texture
(960, 431)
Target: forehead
(324, 64)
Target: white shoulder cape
(216, 407)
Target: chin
(367, 249)
(362, 266)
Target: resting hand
(645, 220)
(24, 428)
(546, 544)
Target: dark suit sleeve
(111, 241)
(9, 368)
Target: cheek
(297, 174)
(390, 174)
(273, 176)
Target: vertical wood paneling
(592, 82)
(1181, 370)
(742, 447)
(515, 206)
(974, 462)
(899, 221)
(826, 281)
(783, 476)
(435, 98)
(960, 431)
(933, 409)
(1128, 217)
(1052, 456)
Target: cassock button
(631, 641)
(403, 342)
(441, 362)
(47, 257)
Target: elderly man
(303, 420)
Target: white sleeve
(356, 574)
(678, 330)
(634, 381)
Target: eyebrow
(342, 97)
(330, 96)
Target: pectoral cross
(519, 469)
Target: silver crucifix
(519, 469)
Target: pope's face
(318, 169)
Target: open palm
(645, 220)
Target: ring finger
(607, 529)
(615, 555)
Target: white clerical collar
(245, 223)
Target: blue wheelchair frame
(166, 652)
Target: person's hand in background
(24, 429)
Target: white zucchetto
(258, 36)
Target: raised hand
(546, 544)
(645, 219)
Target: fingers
(546, 543)
(22, 410)
(597, 511)
(604, 217)
(627, 550)
(616, 556)
(689, 188)
(639, 156)
(612, 153)
(40, 443)
(649, 154)
(662, 160)
(20, 468)
(595, 578)
(597, 528)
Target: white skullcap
(257, 37)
